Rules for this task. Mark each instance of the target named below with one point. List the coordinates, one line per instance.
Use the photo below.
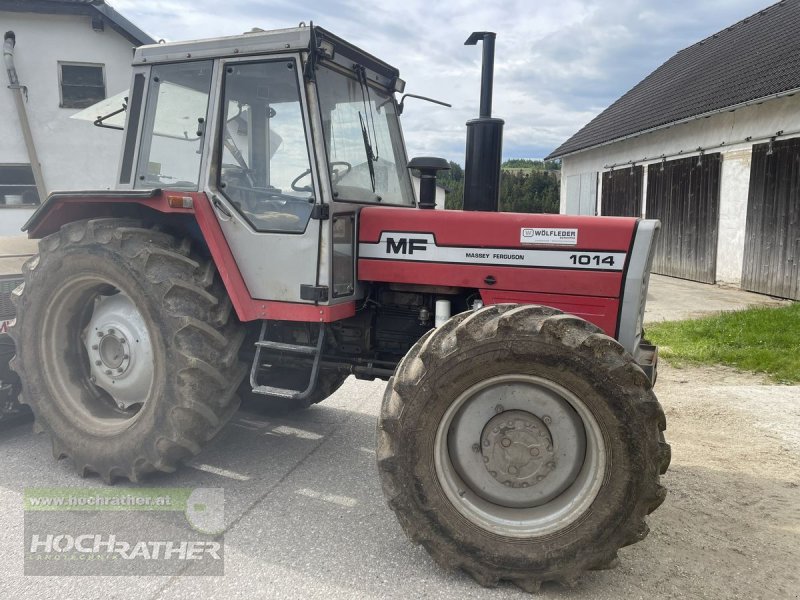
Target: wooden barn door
(772, 240)
(622, 192)
(684, 195)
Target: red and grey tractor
(265, 240)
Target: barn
(709, 143)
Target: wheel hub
(120, 350)
(517, 449)
(112, 352)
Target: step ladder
(298, 349)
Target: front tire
(126, 347)
(518, 443)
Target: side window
(81, 85)
(172, 136)
(266, 169)
(17, 185)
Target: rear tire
(469, 406)
(142, 396)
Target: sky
(557, 64)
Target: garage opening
(772, 239)
(684, 195)
(622, 192)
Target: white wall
(734, 189)
(73, 154)
(440, 193)
(757, 121)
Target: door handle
(222, 212)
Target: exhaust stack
(484, 139)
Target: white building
(68, 55)
(709, 143)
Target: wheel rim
(120, 350)
(519, 455)
(98, 351)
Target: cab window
(172, 139)
(265, 167)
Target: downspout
(20, 96)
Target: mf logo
(405, 245)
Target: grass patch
(763, 340)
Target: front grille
(7, 310)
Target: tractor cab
(288, 133)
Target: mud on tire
(537, 346)
(193, 334)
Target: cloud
(558, 64)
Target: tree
(535, 191)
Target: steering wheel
(336, 175)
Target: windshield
(362, 134)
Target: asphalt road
(306, 518)
(305, 513)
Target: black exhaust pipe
(484, 139)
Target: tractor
(264, 240)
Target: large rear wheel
(521, 444)
(127, 347)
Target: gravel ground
(306, 518)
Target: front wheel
(521, 444)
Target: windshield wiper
(369, 151)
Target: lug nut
(108, 371)
(93, 379)
(95, 346)
(547, 420)
(99, 334)
(476, 448)
(111, 332)
(499, 408)
(505, 442)
(125, 357)
(120, 370)
(98, 362)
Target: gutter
(20, 97)
(710, 113)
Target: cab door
(262, 180)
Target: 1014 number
(587, 260)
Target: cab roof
(296, 39)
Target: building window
(81, 84)
(17, 186)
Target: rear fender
(189, 211)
